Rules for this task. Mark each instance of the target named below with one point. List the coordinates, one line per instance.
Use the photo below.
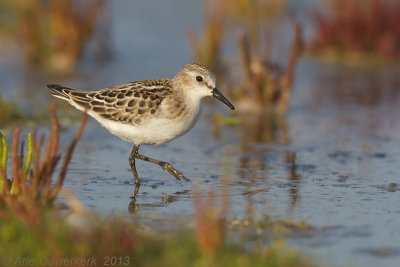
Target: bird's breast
(172, 121)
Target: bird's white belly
(154, 131)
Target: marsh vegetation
(302, 174)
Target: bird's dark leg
(132, 163)
(133, 168)
(165, 166)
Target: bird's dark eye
(199, 79)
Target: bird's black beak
(217, 94)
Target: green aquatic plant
(29, 152)
(4, 159)
(117, 243)
(72, 238)
(30, 190)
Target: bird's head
(199, 81)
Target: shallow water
(343, 128)
(344, 177)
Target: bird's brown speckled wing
(127, 103)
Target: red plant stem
(68, 157)
(22, 182)
(52, 150)
(55, 130)
(244, 52)
(294, 54)
(35, 176)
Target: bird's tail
(60, 91)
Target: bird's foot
(174, 172)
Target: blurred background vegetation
(254, 47)
(51, 34)
(55, 36)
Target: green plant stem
(1, 153)
(3, 157)
(29, 153)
